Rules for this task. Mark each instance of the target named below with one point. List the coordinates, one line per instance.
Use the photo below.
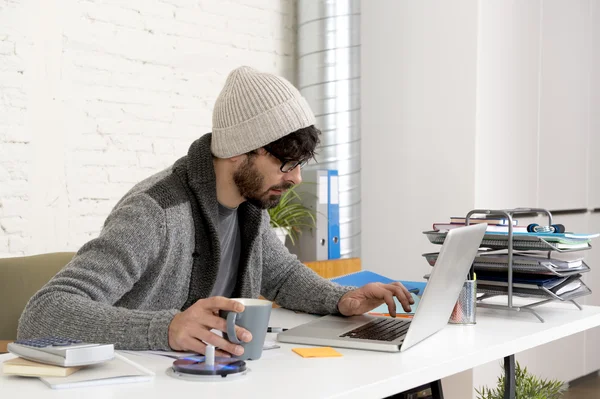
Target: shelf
(525, 268)
(512, 242)
(520, 243)
(541, 293)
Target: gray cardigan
(157, 254)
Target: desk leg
(435, 387)
(509, 381)
(436, 390)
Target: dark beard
(249, 182)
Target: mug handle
(231, 317)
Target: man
(180, 243)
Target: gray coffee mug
(254, 318)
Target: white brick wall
(15, 154)
(95, 95)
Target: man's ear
(237, 159)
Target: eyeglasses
(287, 165)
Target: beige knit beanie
(255, 109)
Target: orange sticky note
(317, 352)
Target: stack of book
(495, 224)
(118, 370)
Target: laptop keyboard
(382, 329)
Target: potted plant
(527, 386)
(290, 216)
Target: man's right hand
(189, 330)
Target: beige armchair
(20, 279)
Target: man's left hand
(368, 297)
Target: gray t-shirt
(229, 237)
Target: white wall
(418, 119)
(594, 131)
(508, 91)
(418, 91)
(534, 113)
(479, 104)
(96, 95)
(565, 102)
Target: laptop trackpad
(332, 324)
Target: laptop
(393, 335)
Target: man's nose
(295, 175)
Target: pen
(276, 329)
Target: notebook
(28, 368)
(119, 370)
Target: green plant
(527, 386)
(291, 215)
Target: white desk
(358, 374)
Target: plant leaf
(527, 386)
(292, 215)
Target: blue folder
(358, 279)
(529, 279)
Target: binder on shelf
(320, 193)
(333, 215)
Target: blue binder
(333, 215)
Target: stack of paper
(28, 368)
(525, 241)
(530, 285)
(529, 263)
(119, 370)
(558, 240)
